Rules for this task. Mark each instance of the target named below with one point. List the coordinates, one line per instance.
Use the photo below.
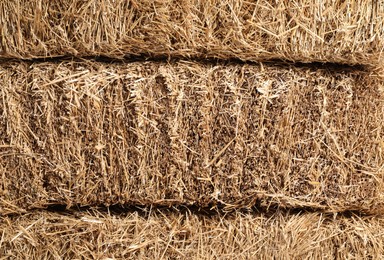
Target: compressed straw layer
(350, 31)
(142, 133)
(181, 235)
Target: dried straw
(181, 235)
(92, 133)
(337, 31)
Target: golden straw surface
(164, 234)
(90, 133)
(336, 31)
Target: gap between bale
(350, 32)
(184, 133)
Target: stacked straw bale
(182, 235)
(337, 31)
(199, 132)
(91, 133)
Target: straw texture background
(336, 31)
(87, 133)
(140, 129)
(181, 235)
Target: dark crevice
(217, 210)
(329, 66)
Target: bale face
(185, 133)
(179, 235)
(67, 134)
(349, 32)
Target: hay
(91, 133)
(338, 31)
(182, 235)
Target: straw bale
(164, 234)
(183, 133)
(336, 31)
